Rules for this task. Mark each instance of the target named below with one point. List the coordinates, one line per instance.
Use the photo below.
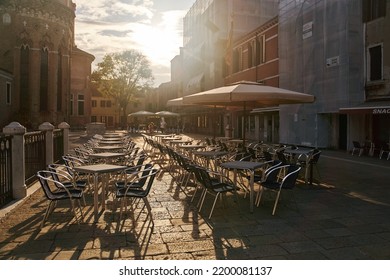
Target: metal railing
(35, 154)
(5, 170)
(58, 145)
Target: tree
(123, 76)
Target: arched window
(44, 80)
(24, 78)
(6, 18)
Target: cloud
(107, 26)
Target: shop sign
(381, 111)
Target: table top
(192, 146)
(162, 135)
(299, 151)
(99, 168)
(178, 141)
(109, 147)
(235, 140)
(107, 155)
(211, 154)
(170, 138)
(104, 141)
(252, 165)
(112, 135)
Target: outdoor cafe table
(109, 148)
(96, 170)
(160, 136)
(112, 135)
(296, 153)
(180, 141)
(164, 139)
(210, 155)
(106, 156)
(191, 147)
(250, 166)
(110, 142)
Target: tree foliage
(123, 76)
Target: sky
(153, 27)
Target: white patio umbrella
(167, 114)
(247, 94)
(244, 93)
(177, 102)
(141, 114)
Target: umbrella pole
(244, 129)
(214, 120)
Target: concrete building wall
(321, 53)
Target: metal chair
(288, 182)
(357, 147)
(55, 191)
(214, 186)
(134, 191)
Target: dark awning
(377, 108)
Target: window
(375, 63)
(373, 9)
(24, 78)
(237, 60)
(102, 103)
(108, 103)
(59, 82)
(260, 49)
(80, 105)
(44, 80)
(6, 19)
(94, 103)
(251, 56)
(93, 119)
(71, 104)
(8, 93)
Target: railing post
(17, 131)
(65, 127)
(48, 129)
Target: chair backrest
(145, 172)
(315, 156)
(356, 144)
(272, 173)
(291, 177)
(267, 155)
(282, 157)
(44, 178)
(203, 177)
(59, 172)
(150, 179)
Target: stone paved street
(344, 215)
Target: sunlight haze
(153, 27)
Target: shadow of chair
(56, 191)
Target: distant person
(163, 125)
